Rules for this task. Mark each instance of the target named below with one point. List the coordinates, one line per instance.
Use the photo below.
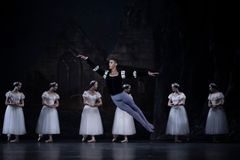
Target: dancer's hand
(55, 106)
(14, 104)
(154, 74)
(19, 105)
(172, 105)
(82, 57)
(214, 105)
(50, 105)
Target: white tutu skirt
(123, 123)
(91, 123)
(48, 122)
(14, 122)
(177, 121)
(216, 121)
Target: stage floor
(139, 150)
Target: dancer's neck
(177, 92)
(91, 91)
(15, 90)
(114, 71)
(51, 91)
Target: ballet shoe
(84, 139)
(14, 141)
(39, 138)
(91, 141)
(150, 130)
(124, 141)
(178, 141)
(151, 126)
(48, 141)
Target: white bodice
(15, 97)
(215, 98)
(177, 98)
(91, 99)
(50, 98)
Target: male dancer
(114, 80)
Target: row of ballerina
(91, 123)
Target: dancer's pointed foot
(178, 141)
(125, 140)
(8, 138)
(39, 138)
(150, 130)
(49, 141)
(14, 141)
(151, 126)
(84, 138)
(91, 141)
(114, 139)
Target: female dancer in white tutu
(123, 123)
(216, 120)
(91, 123)
(14, 122)
(48, 122)
(177, 121)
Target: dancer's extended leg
(129, 101)
(132, 112)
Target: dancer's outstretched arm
(95, 67)
(137, 74)
(153, 74)
(134, 74)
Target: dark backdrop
(192, 43)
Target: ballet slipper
(8, 138)
(49, 141)
(91, 141)
(178, 141)
(39, 138)
(84, 139)
(14, 141)
(114, 139)
(124, 141)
